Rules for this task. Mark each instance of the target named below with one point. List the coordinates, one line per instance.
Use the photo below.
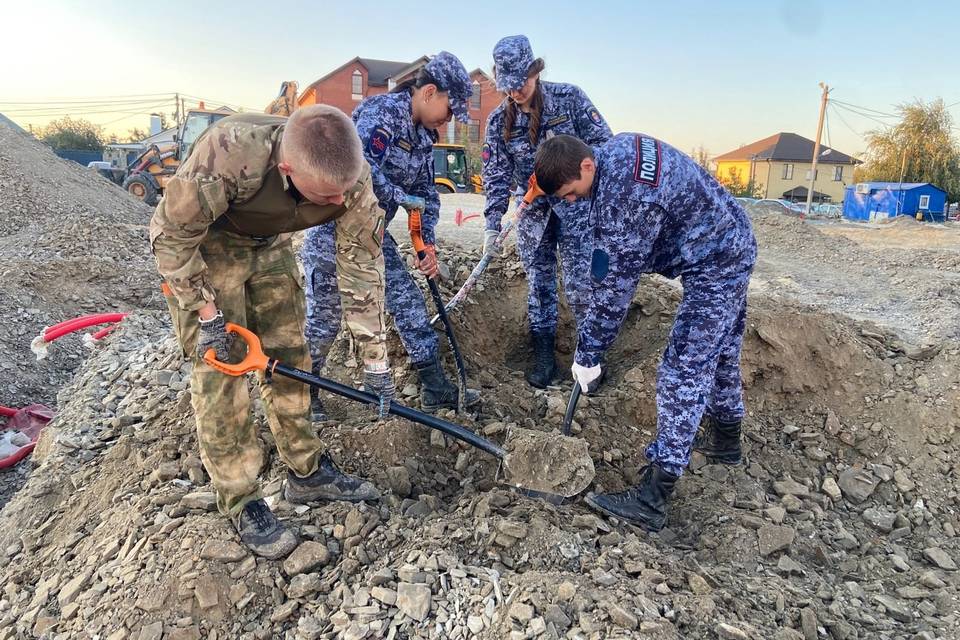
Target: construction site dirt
(842, 522)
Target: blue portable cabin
(880, 200)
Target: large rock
(857, 484)
(70, 591)
(223, 551)
(308, 556)
(414, 600)
(772, 538)
(940, 558)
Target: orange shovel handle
(416, 233)
(255, 360)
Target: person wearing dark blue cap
(535, 111)
(397, 130)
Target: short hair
(558, 162)
(323, 138)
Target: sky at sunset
(716, 74)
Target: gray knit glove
(213, 335)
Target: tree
(921, 145)
(739, 188)
(136, 135)
(702, 157)
(68, 133)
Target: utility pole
(176, 110)
(903, 168)
(816, 149)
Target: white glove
(488, 242)
(587, 377)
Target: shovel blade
(548, 463)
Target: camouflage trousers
(540, 233)
(258, 286)
(700, 369)
(404, 299)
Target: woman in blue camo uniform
(535, 111)
(397, 130)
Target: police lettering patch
(485, 153)
(552, 122)
(647, 168)
(594, 116)
(517, 132)
(379, 142)
(404, 144)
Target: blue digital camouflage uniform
(656, 211)
(549, 222)
(400, 154)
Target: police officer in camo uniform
(222, 242)
(535, 111)
(654, 210)
(397, 130)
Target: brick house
(348, 84)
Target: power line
(863, 115)
(103, 108)
(88, 99)
(22, 106)
(868, 109)
(826, 124)
(80, 112)
(220, 102)
(844, 121)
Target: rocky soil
(841, 524)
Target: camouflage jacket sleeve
(227, 162)
(426, 188)
(360, 271)
(376, 137)
(623, 248)
(592, 128)
(497, 173)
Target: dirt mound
(842, 523)
(71, 243)
(900, 221)
(868, 273)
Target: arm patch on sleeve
(379, 141)
(485, 153)
(594, 115)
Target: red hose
(105, 331)
(29, 421)
(69, 326)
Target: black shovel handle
(571, 408)
(257, 360)
(448, 428)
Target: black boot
(328, 483)
(544, 369)
(263, 534)
(436, 392)
(719, 442)
(645, 505)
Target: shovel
(571, 409)
(413, 223)
(544, 464)
(533, 192)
